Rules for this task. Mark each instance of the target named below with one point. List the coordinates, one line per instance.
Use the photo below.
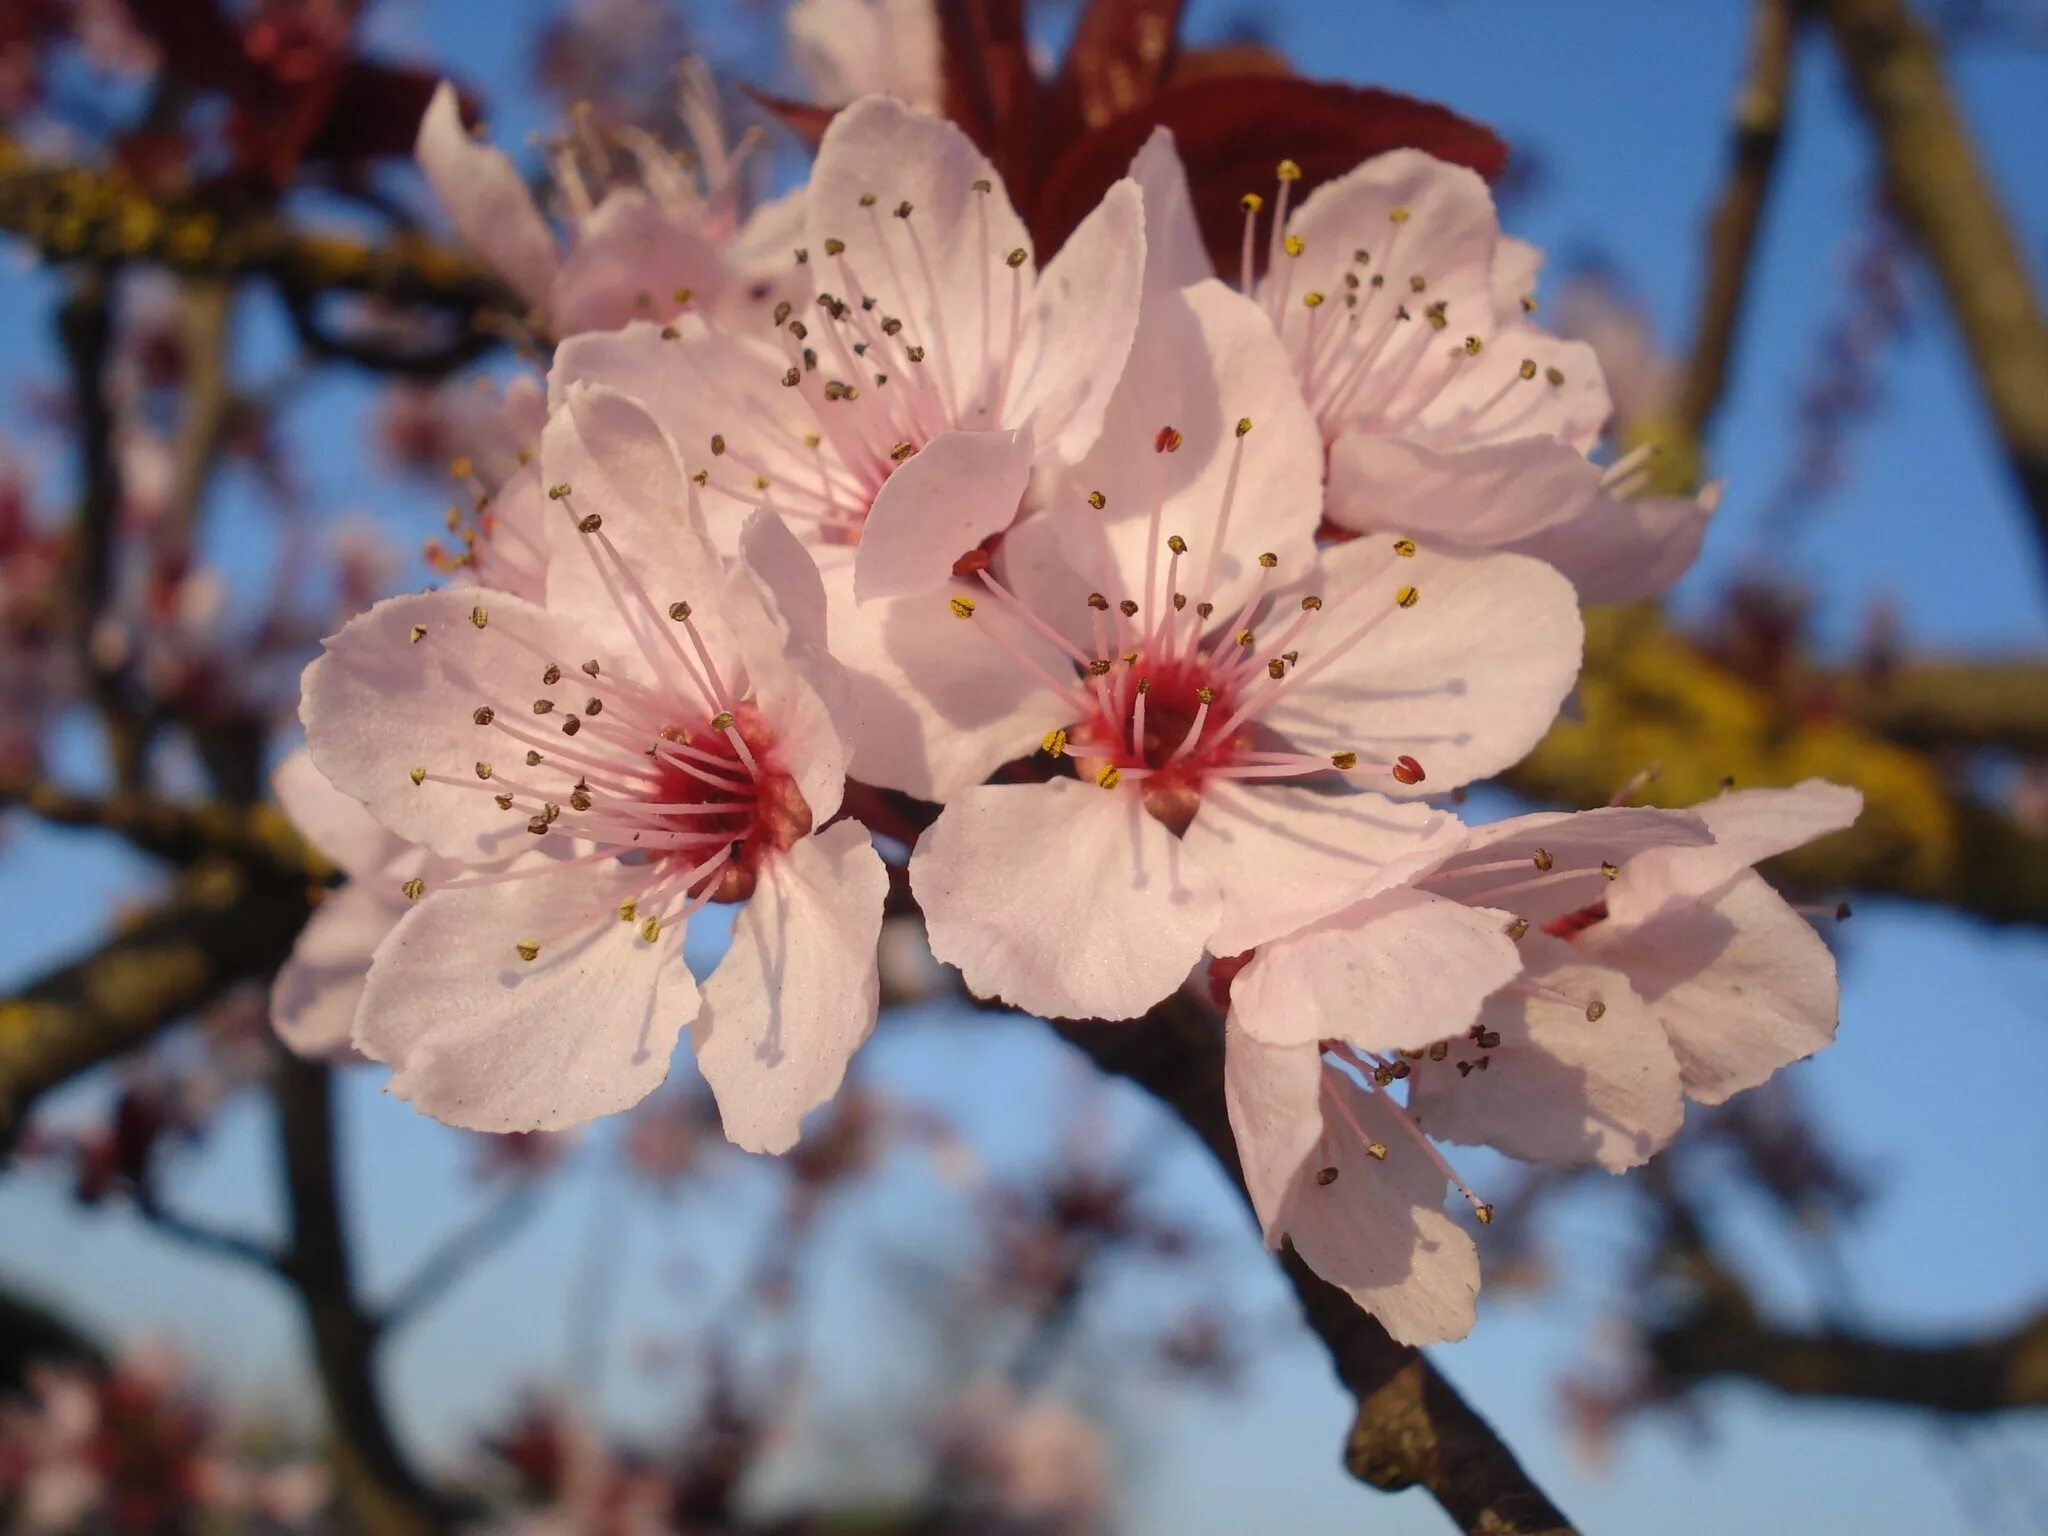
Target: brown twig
(1945, 200)
(385, 1494)
(258, 835)
(1412, 1429)
(222, 924)
(1737, 220)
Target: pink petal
(934, 705)
(345, 834)
(1394, 972)
(962, 488)
(1174, 253)
(1524, 383)
(1516, 264)
(630, 258)
(1467, 680)
(1548, 865)
(1748, 826)
(1379, 1229)
(313, 1001)
(796, 994)
(1063, 899)
(788, 574)
(1084, 312)
(1742, 985)
(486, 199)
(1558, 1088)
(1275, 1114)
(1286, 857)
(479, 1038)
(1204, 359)
(879, 149)
(378, 704)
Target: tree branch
(1647, 695)
(1412, 1428)
(1738, 217)
(1963, 1376)
(68, 213)
(257, 835)
(1945, 200)
(385, 1494)
(222, 924)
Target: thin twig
(1948, 204)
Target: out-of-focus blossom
(846, 49)
(1031, 1466)
(38, 670)
(650, 236)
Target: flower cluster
(1178, 602)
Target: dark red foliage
(1236, 114)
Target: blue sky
(1625, 104)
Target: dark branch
(257, 835)
(1944, 198)
(1412, 1428)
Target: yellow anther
(1311, 603)
(1205, 695)
(1251, 202)
(461, 468)
(529, 949)
(1177, 544)
(1528, 368)
(1244, 638)
(1269, 560)
(1542, 860)
(483, 770)
(1018, 257)
(1417, 283)
(1244, 425)
(558, 491)
(1288, 171)
(1110, 776)
(1405, 548)
(419, 633)
(681, 296)
(680, 612)
(1555, 376)
(1343, 762)
(1611, 871)
(1312, 300)
(1474, 346)
(628, 910)
(1099, 667)
(1294, 245)
(867, 199)
(479, 617)
(1398, 214)
(1055, 743)
(1406, 597)
(1528, 303)
(484, 715)
(414, 888)
(963, 607)
(835, 247)
(418, 775)
(722, 721)
(1376, 1150)
(1516, 929)
(1097, 500)
(650, 930)
(590, 524)
(1595, 1011)
(1484, 1212)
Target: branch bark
(1946, 201)
(1412, 1429)
(1737, 220)
(222, 924)
(385, 1493)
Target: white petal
(336, 824)
(1063, 899)
(313, 1001)
(1395, 972)
(478, 1037)
(486, 199)
(1286, 856)
(796, 994)
(1174, 253)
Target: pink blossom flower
(896, 427)
(646, 245)
(846, 49)
(655, 739)
(313, 1001)
(1556, 990)
(1210, 677)
(1446, 412)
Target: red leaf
(375, 112)
(1233, 132)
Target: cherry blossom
(1446, 412)
(846, 49)
(1211, 679)
(1556, 990)
(651, 741)
(897, 425)
(647, 242)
